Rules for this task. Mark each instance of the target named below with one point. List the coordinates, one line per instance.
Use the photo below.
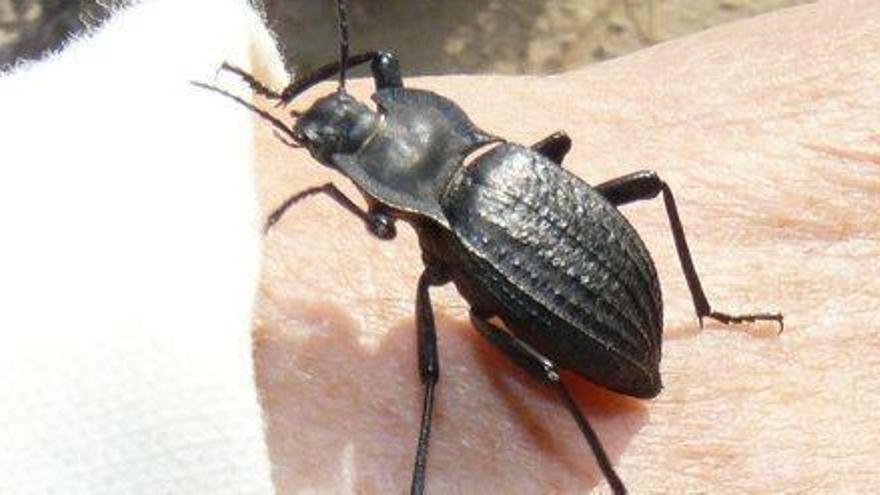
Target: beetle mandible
(522, 239)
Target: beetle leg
(429, 369)
(635, 186)
(384, 65)
(326, 71)
(386, 71)
(646, 184)
(256, 86)
(378, 223)
(527, 358)
(554, 146)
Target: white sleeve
(129, 259)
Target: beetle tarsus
(728, 319)
(256, 86)
(421, 462)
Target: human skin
(768, 132)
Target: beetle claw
(746, 318)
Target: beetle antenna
(279, 126)
(342, 13)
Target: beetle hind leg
(646, 184)
(544, 370)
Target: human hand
(767, 131)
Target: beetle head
(336, 123)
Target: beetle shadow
(344, 415)
(615, 418)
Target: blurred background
(429, 36)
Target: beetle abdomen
(569, 274)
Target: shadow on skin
(341, 416)
(615, 417)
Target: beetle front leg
(429, 369)
(530, 360)
(384, 66)
(646, 184)
(378, 223)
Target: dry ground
(431, 37)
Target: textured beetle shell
(559, 265)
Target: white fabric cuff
(129, 260)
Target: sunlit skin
(767, 130)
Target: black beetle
(522, 239)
